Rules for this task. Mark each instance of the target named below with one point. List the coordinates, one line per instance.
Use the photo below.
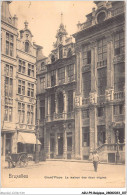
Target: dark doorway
(60, 144)
(8, 143)
(20, 147)
(69, 144)
(69, 147)
(111, 157)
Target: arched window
(69, 53)
(26, 47)
(53, 58)
(60, 102)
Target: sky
(44, 18)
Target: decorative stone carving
(109, 94)
(78, 101)
(93, 97)
(119, 58)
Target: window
(119, 77)
(53, 78)
(8, 113)
(42, 66)
(102, 80)
(85, 136)
(8, 80)
(86, 84)
(42, 82)
(102, 50)
(42, 109)
(70, 71)
(119, 43)
(9, 44)
(61, 75)
(70, 101)
(30, 70)
(118, 109)
(101, 17)
(86, 55)
(26, 47)
(85, 114)
(30, 114)
(52, 103)
(21, 112)
(30, 90)
(60, 103)
(21, 66)
(101, 111)
(101, 135)
(69, 54)
(60, 52)
(53, 58)
(21, 87)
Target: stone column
(110, 53)
(49, 104)
(92, 129)
(56, 146)
(64, 145)
(56, 103)
(78, 103)
(66, 78)
(47, 142)
(93, 66)
(4, 143)
(109, 90)
(56, 77)
(46, 105)
(14, 142)
(38, 109)
(65, 103)
(93, 98)
(73, 144)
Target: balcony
(84, 25)
(111, 147)
(101, 99)
(85, 101)
(118, 11)
(86, 68)
(60, 116)
(101, 64)
(71, 78)
(119, 118)
(70, 115)
(119, 95)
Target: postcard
(63, 94)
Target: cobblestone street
(64, 174)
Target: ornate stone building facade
(56, 86)
(18, 86)
(100, 95)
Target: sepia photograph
(63, 94)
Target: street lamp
(117, 152)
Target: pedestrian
(10, 161)
(95, 160)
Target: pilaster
(14, 143)
(56, 146)
(94, 66)
(110, 54)
(64, 145)
(38, 109)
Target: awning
(27, 138)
